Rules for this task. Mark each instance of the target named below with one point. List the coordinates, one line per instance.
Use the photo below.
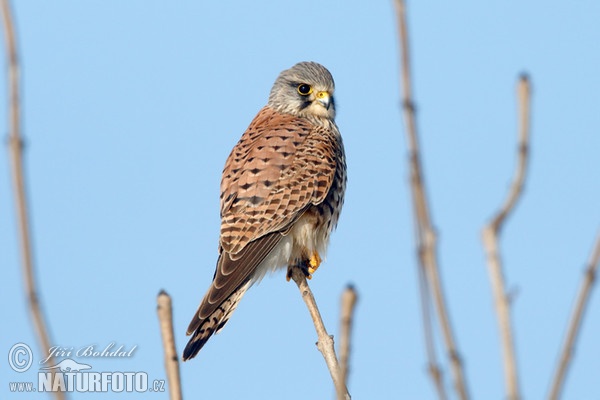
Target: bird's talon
(313, 263)
(308, 267)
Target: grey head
(305, 90)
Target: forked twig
(164, 310)
(425, 233)
(575, 323)
(15, 143)
(348, 302)
(325, 342)
(490, 240)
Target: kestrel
(282, 191)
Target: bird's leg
(308, 266)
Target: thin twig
(325, 341)
(576, 317)
(425, 233)
(490, 239)
(15, 143)
(433, 368)
(348, 302)
(165, 318)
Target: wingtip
(193, 347)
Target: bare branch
(490, 239)
(325, 341)
(577, 316)
(348, 300)
(524, 96)
(165, 318)
(425, 233)
(433, 368)
(15, 143)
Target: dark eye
(304, 89)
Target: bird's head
(304, 90)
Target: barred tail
(203, 329)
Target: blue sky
(131, 108)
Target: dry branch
(164, 310)
(434, 370)
(582, 300)
(425, 233)
(15, 143)
(325, 341)
(490, 239)
(348, 302)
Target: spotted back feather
(281, 165)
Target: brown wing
(281, 165)
(231, 275)
(229, 285)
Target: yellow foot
(308, 267)
(313, 263)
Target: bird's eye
(304, 89)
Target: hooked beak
(325, 99)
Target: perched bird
(282, 191)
